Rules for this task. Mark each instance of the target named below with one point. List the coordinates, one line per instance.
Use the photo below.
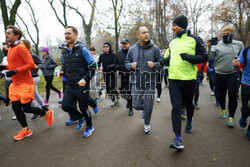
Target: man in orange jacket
(21, 90)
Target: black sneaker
(131, 112)
(177, 144)
(34, 117)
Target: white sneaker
(13, 118)
(212, 93)
(113, 104)
(147, 129)
(158, 100)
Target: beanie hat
(228, 28)
(45, 50)
(181, 21)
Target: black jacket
(78, 64)
(107, 60)
(120, 60)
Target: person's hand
(209, 44)
(236, 62)
(204, 74)
(184, 56)
(151, 64)
(101, 69)
(60, 74)
(11, 73)
(2, 68)
(134, 65)
(82, 82)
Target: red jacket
(204, 67)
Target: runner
(21, 90)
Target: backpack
(245, 54)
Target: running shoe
(212, 93)
(22, 134)
(88, 131)
(230, 122)
(13, 118)
(95, 110)
(183, 115)
(217, 103)
(46, 102)
(49, 117)
(142, 114)
(158, 100)
(71, 122)
(177, 144)
(113, 104)
(131, 112)
(35, 117)
(189, 126)
(243, 122)
(223, 114)
(248, 132)
(147, 129)
(80, 124)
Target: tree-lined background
(111, 20)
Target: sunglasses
(105, 46)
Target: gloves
(11, 73)
(48, 67)
(186, 56)
(2, 68)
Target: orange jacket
(19, 58)
(204, 67)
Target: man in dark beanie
(186, 50)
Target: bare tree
(9, 20)
(234, 12)
(63, 21)
(87, 27)
(117, 9)
(196, 10)
(34, 21)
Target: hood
(110, 47)
(148, 45)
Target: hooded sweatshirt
(143, 75)
(107, 60)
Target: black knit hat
(181, 21)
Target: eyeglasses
(105, 46)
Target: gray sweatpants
(143, 99)
(36, 94)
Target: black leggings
(110, 80)
(245, 97)
(159, 77)
(20, 109)
(227, 83)
(49, 80)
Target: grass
(41, 85)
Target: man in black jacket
(107, 60)
(78, 68)
(125, 87)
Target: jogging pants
(126, 89)
(49, 80)
(38, 98)
(80, 95)
(181, 92)
(143, 99)
(20, 109)
(197, 88)
(245, 98)
(227, 83)
(110, 80)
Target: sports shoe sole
(24, 136)
(71, 123)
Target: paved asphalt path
(118, 140)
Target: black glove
(11, 73)
(186, 56)
(2, 68)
